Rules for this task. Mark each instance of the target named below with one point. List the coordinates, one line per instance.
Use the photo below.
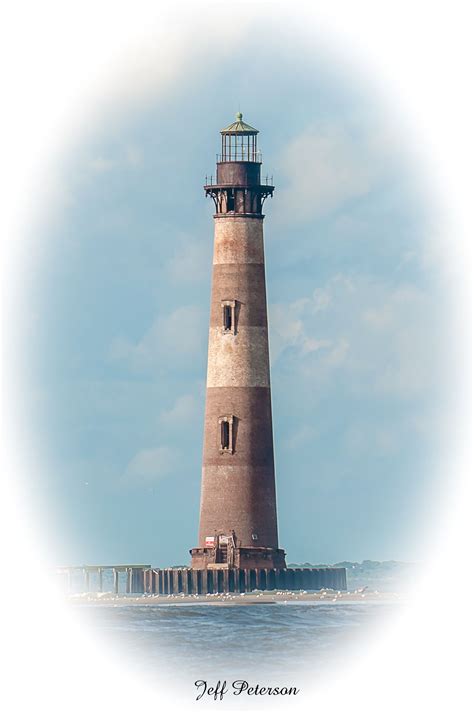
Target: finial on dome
(239, 116)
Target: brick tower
(238, 519)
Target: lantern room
(238, 188)
(239, 142)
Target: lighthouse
(238, 512)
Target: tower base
(237, 558)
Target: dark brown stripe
(245, 284)
(240, 499)
(253, 440)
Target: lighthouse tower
(238, 517)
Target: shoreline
(324, 596)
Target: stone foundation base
(241, 558)
(222, 580)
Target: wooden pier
(144, 579)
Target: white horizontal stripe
(240, 359)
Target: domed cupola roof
(239, 127)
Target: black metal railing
(267, 181)
(241, 154)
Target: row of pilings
(214, 581)
(184, 580)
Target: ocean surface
(207, 641)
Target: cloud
(125, 157)
(364, 438)
(305, 436)
(150, 465)
(192, 260)
(288, 327)
(171, 342)
(325, 167)
(184, 410)
(100, 164)
(386, 338)
(134, 156)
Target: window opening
(228, 317)
(226, 434)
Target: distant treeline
(360, 566)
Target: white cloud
(125, 157)
(150, 465)
(288, 324)
(134, 156)
(306, 435)
(388, 338)
(100, 164)
(286, 328)
(192, 261)
(172, 340)
(366, 438)
(184, 410)
(325, 167)
(312, 345)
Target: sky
(119, 308)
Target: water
(200, 641)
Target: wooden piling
(281, 578)
(194, 581)
(145, 579)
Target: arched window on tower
(227, 317)
(226, 434)
(229, 323)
